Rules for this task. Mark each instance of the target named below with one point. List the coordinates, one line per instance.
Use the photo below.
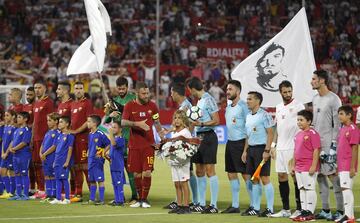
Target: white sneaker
(137, 204)
(145, 204)
(65, 201)
(295, 214)
(282, 214)
(55, 201)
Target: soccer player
(15, 96)
(20, 147)
(98, 144)
(81, 108)
(347, 159)
(63, 160)
(123, 97)
(6, 168)
(358, 117)
(30, 98)
(235, 116)
(64, 109)
(117, 166)
(141, 114)
(47, 155)
(259, 133)
(286, 129)
(306, 164)
(178, 95)
(326, 123)
(42, 107)
(205, 158)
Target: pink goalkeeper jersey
(306, 142)
(348, 136)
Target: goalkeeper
(259, 133)
(113, 111)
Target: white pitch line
(81, 216)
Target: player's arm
(82, 128)
(68, 157)
(354, 151)
(315, 160)
(40, 153)
(18, 147)
(335, 120)
(111, 137)
(49, 151)
(269, 140)
(6, 153)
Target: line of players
(255, 135)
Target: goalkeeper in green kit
(113, 111)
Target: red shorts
(140, 160)
(80, 151)
(35, 152)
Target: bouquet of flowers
(178, 151)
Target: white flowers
(178, 152)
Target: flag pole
(103, 91)
(157, 50)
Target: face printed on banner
(269, 66)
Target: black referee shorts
(233, 152)
(207, 150)
(254, 158)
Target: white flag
(90, 55)
(287, 56)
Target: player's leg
(324, 195)
(59, 185)
(268, 187)
(200, 174)
(134, 164)
(48, 183)
(310, 193)
(39, 174)
(335, 180)
(92, 179)
(131, 179)
(6, 180)
(178, 193)
(193, 186)
(233, 179)
(114, 184)
(25, 177)
(100, 180)
(346, 183)
(186, 197)
(147, 168)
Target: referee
(205, 158)
(259, 133)
(235, 116)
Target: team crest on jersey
(254, 129)
(75, 110)
(80, 108)
(234, 120)
(64, 138)
(52, 135)
(9, 132)
(347, 134)
(283, 116)
(36, 109)
(306, 138)
(41, 108)
(149, 112)
(142, 114)
(96, 140)
(21, 132)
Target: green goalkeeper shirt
(128, 97)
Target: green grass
(162, 192)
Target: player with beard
(140, 115)
(114, 114)
(286, 129)
(235, 116)
(81, 108)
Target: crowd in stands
(38, 38)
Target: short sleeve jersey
(235, 117)
(208, 106)
(80, 110)
(49, 141)
(63, 143)
(41, 109)
(22, 134)
(116, 154)
(256, 125)
(306, 142)
(286, 124)
(97, 143)
(64, 108)
(133, 111)
(348, 136)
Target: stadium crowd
(38, 39)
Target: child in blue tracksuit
(20, 148)
(116, 152)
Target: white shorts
(181, 173)
(345, 180)
(304, 180)
(282, 160)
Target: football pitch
(162, 192)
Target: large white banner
(287, 56)
(90, 55)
